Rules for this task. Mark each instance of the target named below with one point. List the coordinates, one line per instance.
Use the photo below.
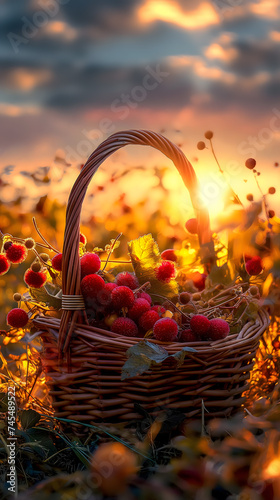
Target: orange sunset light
(171, 12)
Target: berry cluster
(122, 305)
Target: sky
(75, 71)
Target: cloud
(171, 12)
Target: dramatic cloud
(62, 59)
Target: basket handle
(71, 271)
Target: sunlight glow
(171, 12)
(273, 468)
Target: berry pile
(197, 311)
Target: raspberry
(122, 296)
(184, 298)
(139, 307)
(271, 214)
(83, 239)
(188, 336)
(191, 226)
(250, 163)
(199, 280)
(209, 134)
(16, 253)
(29, 243)
(4, 264)
(159, 309)
(90, 264)
(254, 266)
(127, 279)
(200, 325)
(165, 271)
(250, 197)
(17, 318)
(165, 330)
(144, 295)
(125, 326)
(169, 254)
(201, 145)
(35, 280)
(104, 296)
(272, 190)
(57, 262)
(148, 319)
(219, 329)
(91, 285)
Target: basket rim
(251, 331)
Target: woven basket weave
(83, 363)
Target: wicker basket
(84, 363)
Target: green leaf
(145, 256)
(29, 418)
(180, 355)
(220, 275)
(145, 354)
(49, 294)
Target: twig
(43, 238)
(111, 251)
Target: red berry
(199, 280)
(139, 307)
(127, 279)
(159, 309)
(165, 330)
(191, 226)
(104, 296)
(83, 239)
(169, 254)
(250, 163)
(35, 280)
(144, 295)
(91, 286)
(250, 197)
(148, 319)
(200, 325)
(90, 264)
(271, 214)
(219, 329)
(16, 253)
(165, 271)
(254, 266)
(272, 190)
(188, 336)
(17, 318)
(57, 262)
(4, 264)
(125, 326)
(122, 296)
